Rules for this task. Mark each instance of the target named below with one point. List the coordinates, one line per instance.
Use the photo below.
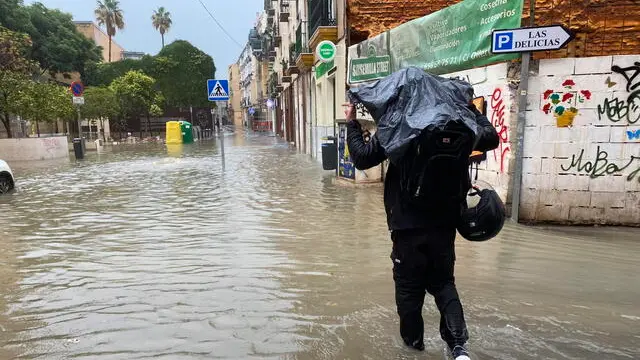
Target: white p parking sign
(503, 40)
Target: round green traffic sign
(326, 51)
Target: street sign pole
(220, 133)
(77, 90)
(523, 91)
(217, 92)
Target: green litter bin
(187, 132)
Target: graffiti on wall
(602, 166)
(50, 144)
(499, 122)
(626, 109)
(563, 104)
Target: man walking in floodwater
(423, 251)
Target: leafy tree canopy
(181, 71)
(57, 45)
(184, 80)
(100, 102)
(45, 102)
(14, 72)
(14, 48)
(13, 15)
(134, 92)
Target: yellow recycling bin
(174, 133)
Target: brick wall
(582, 141)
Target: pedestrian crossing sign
(218, 90)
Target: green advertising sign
(323, 67)
(453, 39)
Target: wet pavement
(143, 253)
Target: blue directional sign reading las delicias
(539, 38)
(218, 90)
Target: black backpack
(434, 170)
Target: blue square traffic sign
(502, 40)
(217, 90)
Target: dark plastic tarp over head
(410, 100)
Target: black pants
(424, 260)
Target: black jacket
(402, 216)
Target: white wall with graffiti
(582, 141)
(496, 86)
(25, 149)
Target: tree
(100, 103)
(45, 102)
(134, 93)
(111, 16)
(183, 76)
(103, 74)
(15, 69)
(180, 69)
(13, 15)
(161, 21)
(57, 44)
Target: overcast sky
(190, 22)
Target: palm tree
(110, 15)
(161, 21)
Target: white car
(7, 182)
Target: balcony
(272, 83)
(303, 56)
(275, 33)
(254, 40)
(284, 10)
(292, 68)
(322, 22)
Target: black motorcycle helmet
(484, 214)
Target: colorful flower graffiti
(563, 103)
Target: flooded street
(143, 253)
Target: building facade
(586, 80)
(235, 96)
(95, 33)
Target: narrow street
(140, 253)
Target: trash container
(329, 153)
(187, 132)
(78, 149)
(174, 133)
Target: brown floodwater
(146, 252)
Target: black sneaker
(460, 353)
(417, 344)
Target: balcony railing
(302, 40)
(284, 10)
(320, 14)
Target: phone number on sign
(455, 60)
